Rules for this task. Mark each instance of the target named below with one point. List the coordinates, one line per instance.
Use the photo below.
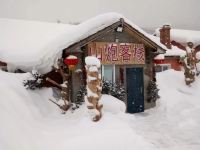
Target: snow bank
(180, 105)
(112, 104)
(31, 45)
(174, 123)
(29, 121)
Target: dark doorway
(135, 90)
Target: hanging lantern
(159, 59)
(71, 61)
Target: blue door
(135, 90)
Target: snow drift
(174, 123)
(30, 121)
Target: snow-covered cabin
(176, 41)
(125, 50)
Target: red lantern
(71, 61)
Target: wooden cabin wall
(54, 76)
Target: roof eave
(111, 27)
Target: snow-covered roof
(183, 36)
(175, 51)
(159, 57)
(36, 45)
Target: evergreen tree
(34, 82)
(152, 91)
(116, 90)
(106, 87)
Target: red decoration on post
(71, 61)
(158, 61)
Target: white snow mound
(29, 121)
(112, 104)
(92, 61)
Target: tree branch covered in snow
(189, 63)
(152, 91)
(114, 89)
(35, 81)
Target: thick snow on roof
(36, 45)
(159, 57)
(28, 44)
(175, 51)
(183, 36)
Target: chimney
(165, 36)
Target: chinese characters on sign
(117, 53)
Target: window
(107, 72)
(113, 73)
(162, 67)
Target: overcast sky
(184, 14)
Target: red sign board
(117, 53)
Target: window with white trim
(113, 73)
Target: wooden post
(94, 88)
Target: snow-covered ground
(28, 121)
(175, 123)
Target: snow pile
(181, 106)
(31, 45)
(175, 51)
(198, 55)
(29, 121)
(92, 61)
(112, 104)
(159, 57)
(90, 94)
(174, 123)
